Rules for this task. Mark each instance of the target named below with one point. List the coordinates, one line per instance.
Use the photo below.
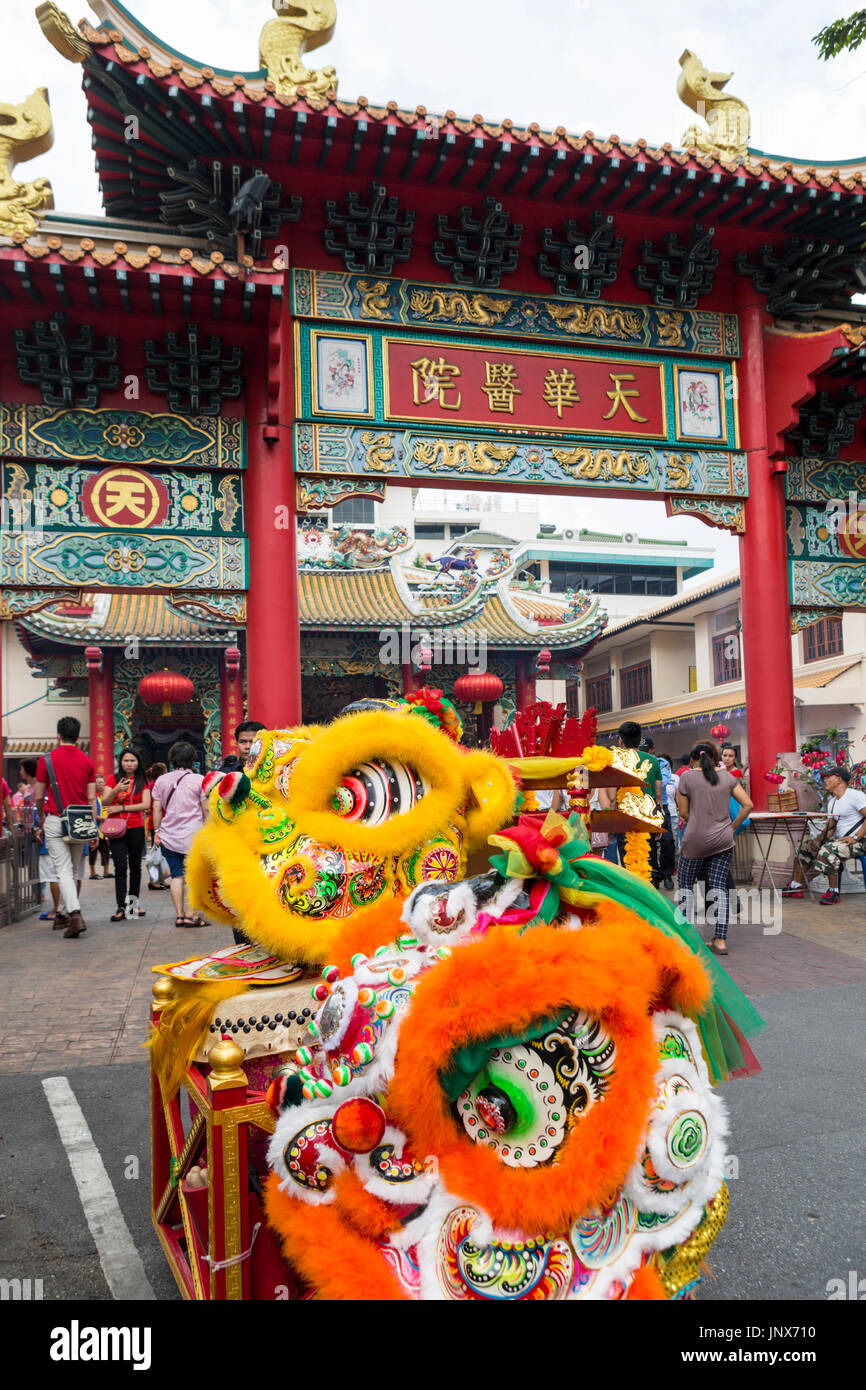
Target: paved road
(799, 1129)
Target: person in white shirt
(843, 837)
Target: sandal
(118, 916)
(188, 922)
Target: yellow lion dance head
(315, 846)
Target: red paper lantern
(478, 687)
(233, 661)
(93, 657)
(166, 688)
(720, 731)
(543, 661)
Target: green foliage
(843, 35)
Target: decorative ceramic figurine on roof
(513, 1099)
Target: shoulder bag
(77, 822)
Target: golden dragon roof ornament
(727, 117)
(61, 33)
(25, 131)
(300, 25)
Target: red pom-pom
(229, 785)
(358, 1125)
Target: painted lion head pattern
(481, 1113)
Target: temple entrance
(324, 697)
(155, 745)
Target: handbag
(113, 827)
(77, 823)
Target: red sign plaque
(125, 498)
(516, 389)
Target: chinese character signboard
(594, 415)
(527, 390)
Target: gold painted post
(228, 1204)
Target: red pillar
(101, 674)
(273, 625)
(764, 569)
(231, 698)
(524, 683)
(408, 678)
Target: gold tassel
(183, 1027)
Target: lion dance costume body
(498, 1086)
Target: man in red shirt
(76, 783)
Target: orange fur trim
(337, 1261)
(616, 971)
(368, 1214)
(646, 1286)
(365, 930)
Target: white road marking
(121, 1262)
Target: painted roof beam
(57, 279)
(387, 141)
(523, 168)
(547, 173)
(418, 140)
(649, 187)
(500, 153)
(472, 150)
(445, 146)
(359, 135)
(328, 134)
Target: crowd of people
(133, 817)
(148, 816)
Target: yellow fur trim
(380, 736)
(468, 792)
(494, 794)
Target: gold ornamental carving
(728, 122)
(375, 298)
(300, 25)
(61, 33)
(25, 131)
(379, 451)
(455, 306)
(462, 456)
(599, 321)
(609, 464)
(679, 472)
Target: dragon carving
(602, 463)
(300, 25)
(599, 321)
(679, 471)
(458, 307)
(728, 121)
(379, 455)
(463, 456)
(25, 131)
(375, 298)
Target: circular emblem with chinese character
(851, 536)
(125, 498)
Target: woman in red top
(127, 795)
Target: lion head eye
(522, 1100)
(377, 791)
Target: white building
(676, 669)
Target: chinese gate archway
(415, 300)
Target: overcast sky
(604, 65)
